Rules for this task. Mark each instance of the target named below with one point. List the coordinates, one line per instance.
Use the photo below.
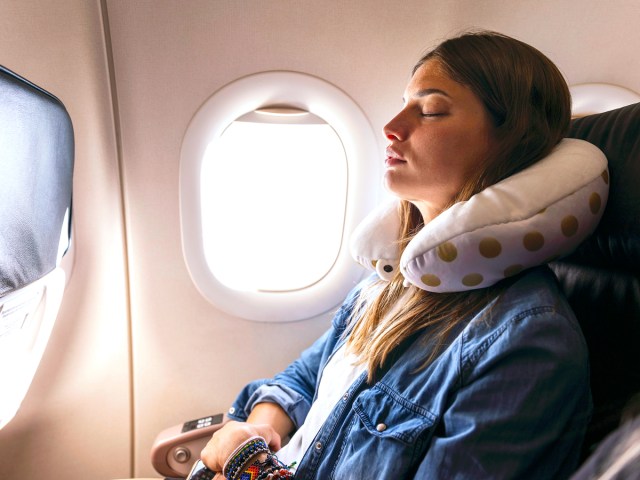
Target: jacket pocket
(387, 437)
(385, 414)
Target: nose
(396, 129)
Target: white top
(338, 375)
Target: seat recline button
(181, 455)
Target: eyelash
(432, 114)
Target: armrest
(177, 448)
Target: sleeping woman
(458, 357)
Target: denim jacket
(508, 398)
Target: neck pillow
(533, 217)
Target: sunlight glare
(273, 204)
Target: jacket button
(381, 427)
(345, 397)
(318, 446)
(232, 410)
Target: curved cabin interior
(204, 254)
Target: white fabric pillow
(535, 216)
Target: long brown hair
(530, 105)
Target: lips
(393, 158)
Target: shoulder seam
(467, 362)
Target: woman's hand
(229, 437)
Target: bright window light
(273, 196)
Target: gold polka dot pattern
(533, 241)
(430, 280)
(512, 270)
(569, 226)
(489, 247)
(595, 203)
(472, 280)
(447, 252)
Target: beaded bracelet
(271, 469)
(242, 457)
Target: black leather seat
(601, 279)
(36, 144)
(36, 168)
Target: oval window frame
(334, 106)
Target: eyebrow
(429, 91)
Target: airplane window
(273, 188)
(276, 171)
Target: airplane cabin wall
(189, 358)
(75, 420)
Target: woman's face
(437, 141)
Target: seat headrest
(36, 145)
(616, 242)
(601, 278)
